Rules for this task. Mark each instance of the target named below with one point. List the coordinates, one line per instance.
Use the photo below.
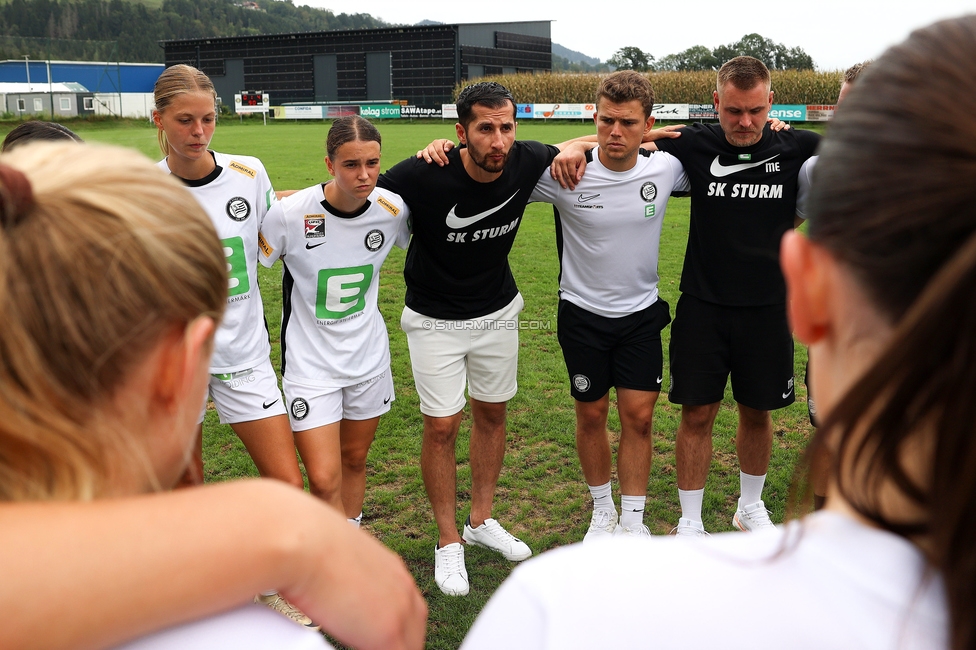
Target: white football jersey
(332, 332)
(237, 196)
(609, 231)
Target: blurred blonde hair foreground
(99, 257)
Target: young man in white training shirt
(610, 316)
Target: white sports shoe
(640, 530)
(449, 572)
(689, 528)
(492, 536)
(752, 517)
(602, 524)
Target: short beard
(491, 168)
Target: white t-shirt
(252, 627)
(804, 180)
(236, 196)
(825, 582)
(610, 231)
(332, 332)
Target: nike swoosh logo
(660, 379)
(718, 170)
(266, 406)
(311, 246)
(387, 400)
(584, 199)
(456, 222)
(787, 393)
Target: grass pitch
(541, 495)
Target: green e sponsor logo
(237, 281)
(342, 291)
(649, 210)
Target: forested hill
(47, 29)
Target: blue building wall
(96, 77)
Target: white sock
(751, 488)
(602, 496)
(631, 510)
(691, 503)
(355, 521)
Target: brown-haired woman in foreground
(112, 283)
(883, 293)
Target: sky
(836, 33)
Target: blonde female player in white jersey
(332, 239)
(235, 192)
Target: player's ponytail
(100, 254)
(894, 200)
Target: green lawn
(541, 497)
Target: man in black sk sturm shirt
(461, 313)
(731, 317)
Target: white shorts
(313, 406)
(246, 395)
(447, 354)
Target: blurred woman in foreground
(883, 293)
(112, 283)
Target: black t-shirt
(457, 262)
(742, 201)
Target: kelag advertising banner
(380, 111)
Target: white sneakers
(449, 573)
(748, 518)
(492, 536)
(689, 528)
(602, 524)
(639, 530)
(752, 517)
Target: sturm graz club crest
(581, 382)
(238, 208)
(299, 408)
(374, 240)
(648, 191)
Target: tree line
(776, 56)
(90, 29)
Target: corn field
(789, 86)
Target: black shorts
(753, 344)
(601, 352)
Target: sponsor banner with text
(299, 112)
(380, 111)
(670, 111)
(524, 111)
(820, 112)
(409, 110)
(564, 111)
(789, 112)
(449, 111)
(702, 112)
